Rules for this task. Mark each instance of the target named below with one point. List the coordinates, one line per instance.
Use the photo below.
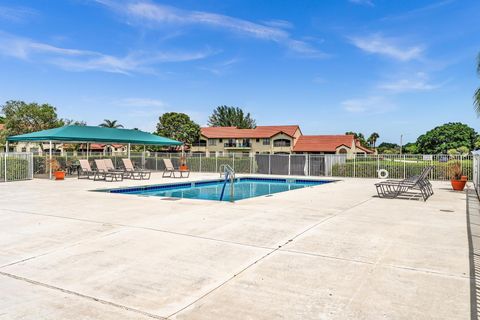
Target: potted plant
(457, 179)
(57, 171)
(183, 163)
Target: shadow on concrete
(473, 229)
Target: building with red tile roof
(262, 139)
(274, 140)
(333, 144)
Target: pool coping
(207, 181)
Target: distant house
(330, 144)
(261, 140)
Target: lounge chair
(395, 188)
(110, 167)
(85, 171)
(135, 173)
(170, 170)
(104, 174)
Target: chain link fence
(319, 165)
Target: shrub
(17, 169)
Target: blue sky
(392, 66)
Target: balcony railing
(281, 144)
(199, 144)
(237, 145)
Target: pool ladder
(229, 174)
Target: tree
(476, 96)
(373, 139)
(110, 124)
(2, 120)
(71, 122)
(388, 148)
(358, 136)
(463, 150)
(445, 137)
(21, 117)
(178, 126)
(410, 148)
(224, 116)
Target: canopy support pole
(6, 146)
(88, 151)
(128, 150)
(50, 153)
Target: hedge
(17, 169)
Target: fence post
(200, 164)
(5, 166)
(269, 163)
(31, 166)
(216, 161)
(354, 165)
(289, 160)
(233, 159)
(404, 167)
(156, 161)
(251, 163)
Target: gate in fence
(16, 166)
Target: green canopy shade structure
(78, 134)
(88, 134)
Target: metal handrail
(229, 174)
(226, 168)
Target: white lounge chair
(135, 173)
(85, 171)
(104, 174)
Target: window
(281, 143)
(258, 140)
(266, 141)
(212, 142)
(24, 149)
(220, 140)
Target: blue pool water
(211, 190)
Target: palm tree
(373, 139)
(476, 96)
(110, 124)
(224, 116)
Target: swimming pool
(211, 189)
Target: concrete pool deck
(332, 251)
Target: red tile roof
(258, 132)
(325, 143)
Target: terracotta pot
(458, 185)
(464, 178)
(59, 175)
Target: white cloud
(16, 14)
(152, 14)
(378, 44)
(419, 82)
(221, 67)
(85, 60)
(363, 2)
(373, 104)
